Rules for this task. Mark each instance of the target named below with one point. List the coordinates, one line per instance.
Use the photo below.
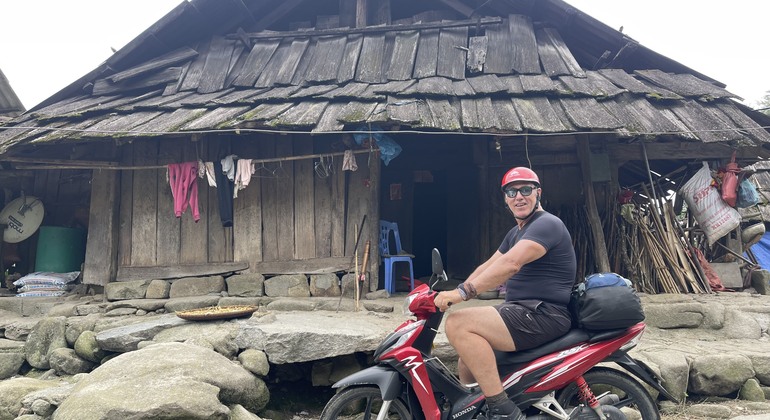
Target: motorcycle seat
(568, 340)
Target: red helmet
(520, 174)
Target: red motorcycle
(559, 380)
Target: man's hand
(446, 299)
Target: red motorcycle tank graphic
(559, 380)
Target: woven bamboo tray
(216, 312)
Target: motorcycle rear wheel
(361, 403)
(632, 395)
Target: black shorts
(534, 322)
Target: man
(536, 261)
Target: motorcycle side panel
(384, 377)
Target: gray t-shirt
(549, 278)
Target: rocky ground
(714, 349)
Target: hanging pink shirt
(183, 178)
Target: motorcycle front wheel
(632, 395)
(362, 403)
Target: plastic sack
(45, 277)
(747, 194)
(714, 216)
(730, 182)
(389, 149)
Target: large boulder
(123, 290)
(196, 286)
(719, 374)
(13, 390)
(11, 357)
(126, 338)
(47, 336)
(246, 285)
(165, 380)
(289, 285)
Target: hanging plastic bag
(730, 182)
(713, 215)
(747, 194)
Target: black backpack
(605, 301)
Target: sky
(47, 44)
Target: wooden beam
(683, 151)
(58, 161)
(309, 266)
(282, 10)
(600, 247)
(458, 7)
(129, 273)
(372, 29)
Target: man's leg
(474, 333)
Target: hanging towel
(349, 161)
(228, 166)
(210, 176)
(183, 179)
(244, 171)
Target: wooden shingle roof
(490, 75)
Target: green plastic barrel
(60, 249)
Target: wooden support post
(584, 153)
(101, 262)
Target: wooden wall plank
(269, 204)
(304, 207)
(126, 206)
(284, 182)
(375, 167)
(144, 220)
(194, 236)
(499, 58)
(102, 244)
(339, 182)
(323, 210)
(247, 212)
(168, 235)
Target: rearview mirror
(438, 265)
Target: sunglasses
(525, 191)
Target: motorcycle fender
(384, 377)
(642, 372)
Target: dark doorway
(430, 219)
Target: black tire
(352, 403)
(600, 380)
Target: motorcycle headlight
(407, 302)
(397, 338)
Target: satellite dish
(23, 216)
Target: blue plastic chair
(389, 258)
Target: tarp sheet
(761, 251)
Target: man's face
(521, 198)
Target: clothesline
(101, 165)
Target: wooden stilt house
(465, 89)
